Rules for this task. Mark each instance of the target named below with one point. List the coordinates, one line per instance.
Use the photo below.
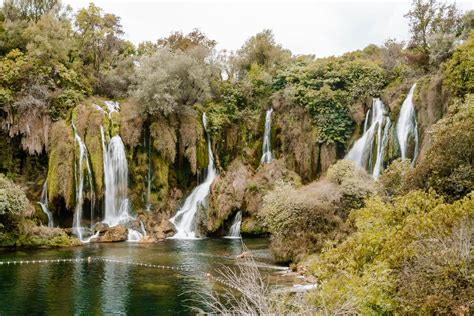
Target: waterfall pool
(91, 287)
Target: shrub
(447, 166)
(300, 220)
(396, 178)
(355, 184)
(13, 200)
(405, 257)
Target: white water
(407, 126)
(112, 106)
(374, 135)
(234, 231)
(134, 236)
(116, 181)
(81, 157)
(44, 204)
(184, 221)
(266, 149)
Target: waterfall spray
(184, 220)
(234, 231)
(44, 204)
(266, 148)
(407, 126)
(81, 158)
(116, 181)
(376, 133)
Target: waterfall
(266, 149)
(44, 204)
(375, 134)
(234, 231)
(184, 220)
(134, 236)
(407, 126)
(81, 157)
(116, 181)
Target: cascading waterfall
(116, 181)
(44, 204)
(81, 157)
(407, 129)
(375, 134)
(184, 220)
(234, 231)
(266, 149)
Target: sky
(322, 28)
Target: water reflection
(97, 287)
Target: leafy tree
(169, 79)
(262, 50)
(49, 39)
(98, 35)
(178, 40)
(33, 9)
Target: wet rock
(112, 234)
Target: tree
(178, 40)
(98, 35)
(434, 27)
(32, 10)
(49, 39)
(170, 79)
(262, 50)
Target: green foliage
(169, 80)
(300, 220)
(13, 200)
(434, 27)
(459, 69)
(328, 87)
(355, 185)
(261, 50)
(366, 273)
(447, 166)
(396, 178)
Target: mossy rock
(61, 165)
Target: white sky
(305, 27)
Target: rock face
(241, 189)
(112, 234)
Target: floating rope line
(132, 263)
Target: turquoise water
(98, 287)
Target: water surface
(97, 287)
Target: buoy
(89, 259)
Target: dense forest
(388, 230)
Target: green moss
(201, 153)
(61, 165)
(115, 124)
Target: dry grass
(246, 292)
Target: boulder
(112, 234)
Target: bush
(355, 185)
(459, 69)
(300, 220)
(396, 178)
(13, 200)
(447, 166)
(405, 257)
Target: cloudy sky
(305, 27)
